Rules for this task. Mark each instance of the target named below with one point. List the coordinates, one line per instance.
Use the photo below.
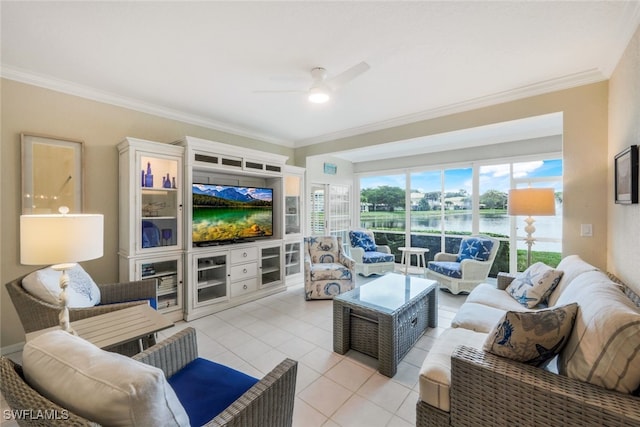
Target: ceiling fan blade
(279, 91)
(348, 75)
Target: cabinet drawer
(244, 271)
(243, 287)
(244, 255)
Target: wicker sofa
(461, 384)
(267, 403)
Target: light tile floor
(332, 389)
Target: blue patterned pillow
(534, 285)
(475, 248)
(532, 337)
(360, 239)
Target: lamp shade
(532, 202)
(57, 239)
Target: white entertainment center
(219, 274)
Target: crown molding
(552, 85)
(64, 86)
(624, 36)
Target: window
(441, 206)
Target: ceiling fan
(322, 87)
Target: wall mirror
(52, 174)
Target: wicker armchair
(462, 275)
(36, 314)
(268, 403)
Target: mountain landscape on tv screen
(209, 195)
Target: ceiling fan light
(318, 95)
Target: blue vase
(148, 179)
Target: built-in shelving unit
(156, 216)
(151, 221)
(252, 268)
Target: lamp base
(63, 317)
(529, 240)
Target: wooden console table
(117, 327)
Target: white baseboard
(13, 348)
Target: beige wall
(32, 109)
(584, 150)
(624, 130)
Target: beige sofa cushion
(572, 266)
(478, 317)
(489, 295)
(104, 387)
(604, 346)
(435, 374)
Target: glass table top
(387, 293)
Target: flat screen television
(228, 213)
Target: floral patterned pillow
(532, 337)
(534, 285)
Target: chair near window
(468, 268)
(369, 257)
(328, 271)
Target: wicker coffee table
(384, 318)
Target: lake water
(547, 227)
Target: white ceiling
(201, 62)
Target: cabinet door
(292, 259)
(292, 211)
(160, 203)
(212, 272)
(168, 273)
(270, 265)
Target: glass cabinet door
(168, 273)
(211, 279)
(292, 186)
(160, 205)
(292, 262)
(270, 266)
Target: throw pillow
(475, 248)
(104, 387)
(532, 337)
(45, 284)
(534, 285)
(361, 239)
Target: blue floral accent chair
(468, 268)
(369, 257)
(328, 271)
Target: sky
(494, 177)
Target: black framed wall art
(626, 176)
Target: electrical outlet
(586, 230)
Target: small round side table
(406, 257)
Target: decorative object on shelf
(51, 174)
(166, 181)
(529, 202)
(63, 240)
(148, 178)
(330, 168)
(173, 182)
(153, 209)
(626, 176)
(166, 236)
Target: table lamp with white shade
(531, 202)
(63, 240)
